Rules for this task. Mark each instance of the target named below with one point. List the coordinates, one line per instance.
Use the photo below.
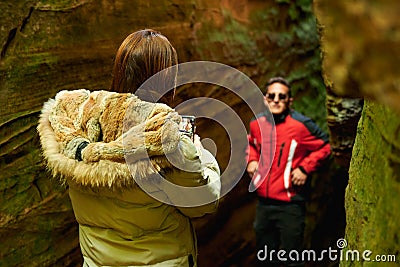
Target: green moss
(21, 67)
(233, 40)
(372, 197)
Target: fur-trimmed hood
(117, 127)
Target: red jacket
(299, 142)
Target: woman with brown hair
(115, 150)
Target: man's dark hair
(281, 81)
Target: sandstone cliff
(47, 46)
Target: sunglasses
(271, 96)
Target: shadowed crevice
(10, 38)
(13, 32)
(26, 19)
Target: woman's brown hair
(141, 55)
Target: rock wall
(48, 46)
(360, 41)
(372, 204)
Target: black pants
(279, 228)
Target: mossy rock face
(372, 196)
(358, 39)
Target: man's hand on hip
(298, 177)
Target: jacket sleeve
(316, 142)
(81, 139)
(139, 142)
(198, 174)
(253, 148)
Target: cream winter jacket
(127, 214)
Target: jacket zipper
(269, 175)
(279, 163)
(267, 188)
(280, 154)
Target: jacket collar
(279, 118)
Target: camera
(188, 125)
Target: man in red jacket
(281, 155)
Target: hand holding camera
(188, 126)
